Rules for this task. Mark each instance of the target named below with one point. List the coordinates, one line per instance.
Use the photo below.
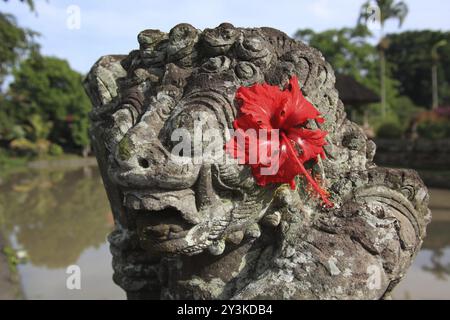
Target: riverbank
(10, 286)
(10, 165)
(9, 280)
(435, 179)
(61, 218)
(431, 158)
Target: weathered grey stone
(206, 230)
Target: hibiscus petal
(273, 157)
(311, 142)
(299, 109)
(261, 101)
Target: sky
(82, 31)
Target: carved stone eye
(217, 64)
(245, 70)
(248, 73)
(354, 141)
(227, 34)
(143, 163)
(253, 44)
(181, 32)
(148, 38)
(409, 192)
(178, 35)
(184, 120)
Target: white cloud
(320, 9)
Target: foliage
(345, 49)
(349, 53)
(410, 55)
(12, 259)
(8, 162)
(390, 130)
(35, 142)
(15, 43)
(402, 114)
(6, 126)
(29, 3)
(79, 131)
(405, 110)
(55, 150)
(434, 129)
(46, 92)
(45, 104)
(25, 147)
(388, 9)
(443, 112)
(39, 128)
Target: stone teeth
(132, 202)
(235, 237)
(272, 220)
(217, 247)
(253, 231)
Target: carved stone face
(176, 205)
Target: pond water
(58, 219)
(62, 218)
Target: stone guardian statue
(206, 229)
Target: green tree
(47, 86)
(435, 56)
(349, 52)
(410, 55)
(346, 50)
(15, 43)
(30, 3)
(385, 10)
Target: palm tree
(435, 57)
(383, 10)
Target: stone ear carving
(206, 230)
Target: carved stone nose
(134, 151)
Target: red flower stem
(314, 184)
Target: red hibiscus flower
(271, 134)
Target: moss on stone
(125, 147)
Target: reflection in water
(62, 218)
(59, 218)
(429, 276)
(438, 243)
(56, 215)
